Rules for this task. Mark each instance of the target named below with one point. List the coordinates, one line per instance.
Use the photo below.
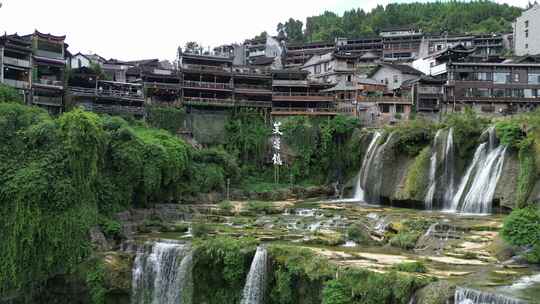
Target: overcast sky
(137, 29)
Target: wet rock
(98, 239)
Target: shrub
(261, 207)
(358, 234)
(404, 240)
(510, 133)
(417, 267)
(111, 228)
(226, 206)
(522, 227)
(200, 230)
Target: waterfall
(432, 173)
(256, 280)
(477, 188)
(161, 273)
(446, 178)
(471, 296)
(364, 170)
(369, 183)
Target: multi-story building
(394, 75)
(16, 63)
(299, 53)
(401, 44)
(527, 32)
(48, 70)
(293, 94)
(252, 87)
(162, 83)
(493, 88)
(360, 46)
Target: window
(526, 33)
(518, 93)
(349, 78)
(386, 81)
(526, 23)
(534, 78)
(500, 77)
(483, 76)
(384, 108)
(531, 93)
(526, 45)
(318, 69)
(396, 79)
(516, 77)
(499, 93)
(400, 108)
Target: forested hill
(452, 16)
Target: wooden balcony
(206, 68)
(208, 85)
(388, 100)
(494, 100)
(114, 109)
(278, 96)
(162, 85)
(290, 83)
(216, 102)
(107, 94)
(17, 62)
(49, 101)
(49, 83)
(282, 111)
(25, 85)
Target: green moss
(527, 171)
(417, 179)
(417, 267)
(405, 240)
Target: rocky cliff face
(405, 180)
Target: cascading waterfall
(446, 178)
(430, 195)
(364, 170)
(162, 273)
(471, 296)
(368, 187)
(256, 280)
(477, 188)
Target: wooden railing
(49, 82)
(91, 92)
(17, 83)
(303, 111)
(207, 85)
(52, 101)
(382, 99)
(201, 101)
(17, 62)
(203, 67)
(252, 87)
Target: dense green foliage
(418, 267)
(413, 135)
(62, 176)
(478, 16)
(417, 181)
(320, 147)
(247, 137)
(467, 128)
(9, 94)
(522, 228)
(220, 267)
(169, 118)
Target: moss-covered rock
(440, 292)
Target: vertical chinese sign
(276, 149)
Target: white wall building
(527, 32)
(393, 75)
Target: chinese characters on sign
(276, 144)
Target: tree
(9, 94)
(292, 29)
(193, 47)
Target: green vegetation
(413, 135)
(467, 128)
(417, 267)
(220, 267)
(171, 119)
(358, 234)
(261, 207)
(404, 240)
(522, 228)
(416, 183)
(9, 94)
(433, 17)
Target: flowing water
(369, 183)
(256, 280)
(471, 296)
(441, 153)
(477, 188)
(161, 273)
